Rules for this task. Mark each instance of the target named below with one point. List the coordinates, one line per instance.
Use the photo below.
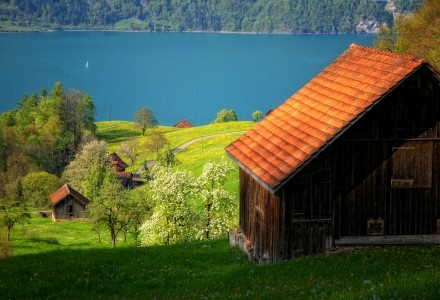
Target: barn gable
(353, 156)
(117, 163)
(68, 203)
(306, 123)
(183, 124)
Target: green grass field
(64, 261)
(208, 149)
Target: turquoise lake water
(177, 75)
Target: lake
(177, 75)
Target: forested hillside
(418, 34)
(277, 16)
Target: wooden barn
(352, 158)
(117, 163)
(67, 203)
(119, 166)
(183, 124)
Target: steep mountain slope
(275, 16)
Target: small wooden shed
(352, 158)
(183, 124)
(117, 163)
(67, 203)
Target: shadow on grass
(127, 272)
(213, 270)
(118, 134)
(48, 241)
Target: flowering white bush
(172, 219)
(219, 204)
(176, 216)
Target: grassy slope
(116, 132)
(62, 260)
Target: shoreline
(184, 31)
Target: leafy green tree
(12, 213)
(172, 219)
(225, 116)
(37, 188)
(155, 141)
(113, 208)
(88, 112)
(141, 200)
(219, 204)
(84, 173)
(130, 149)
(144, 119)
(257, 115)
(417, 35)
(166, 158)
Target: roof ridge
(388, 53)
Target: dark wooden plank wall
(260, 218)
(384, 168)
(60, 210)
(388, 168)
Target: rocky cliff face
(371, 25)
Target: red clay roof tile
(65, 191)
(310, 119)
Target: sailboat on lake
(87, 64)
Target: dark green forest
(274, 16)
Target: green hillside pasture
(184, 135)
(210, 149)
(116, 132)
(72, 266)
(42, 235)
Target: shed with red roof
(352, 157)
(183, 124)
(117, 163)
(67, 203)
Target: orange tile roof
(65, 191)
(277, 147)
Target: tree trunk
(9, 234)
(208, 221)
(112, 232)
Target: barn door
(411, 183)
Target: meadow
(64, 260)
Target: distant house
(126, 178)
(117, 163)
(67, 203)
(352, 158)
(183, 124)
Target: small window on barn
(412, 165)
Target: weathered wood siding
(68, 208)
(260, 218)
(381, 177)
